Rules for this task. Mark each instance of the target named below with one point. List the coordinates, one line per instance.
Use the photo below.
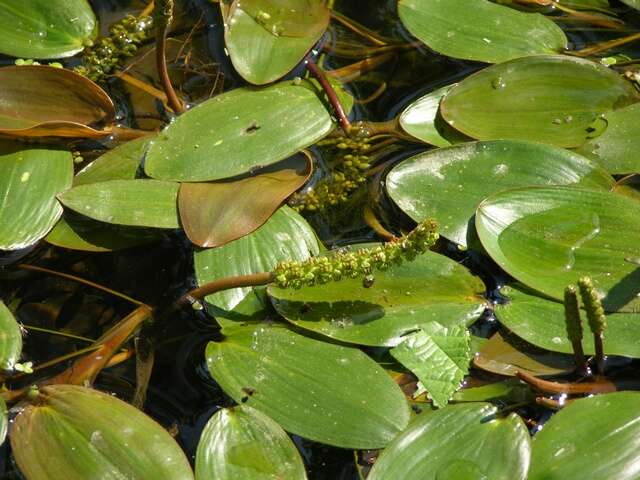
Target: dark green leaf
(10, 343)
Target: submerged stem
(319, 75)
(163, 18)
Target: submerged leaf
(78, 433)
(438, 356)
(241, 442)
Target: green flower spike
(595, 315)
(360, 263)
(574, 324)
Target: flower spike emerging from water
(360, 263)
(595, 315)
(574, 325)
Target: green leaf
(448, 184)
(394, 305)
(78, 433)
(632, 3)
(458, 442)
(421, 119)
(143, 203)
(438, 356)
(550, 99)
(541, 322)
(594, 437)
(30, 179)
(45, 28)
(10, 343)
(4, 421)
(237, 131)
(481, 30)
(324, 392)
(285, 236)
(259, 55)
(120, 163)
(242, 443)
(549, 237)
(617, 148)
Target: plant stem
(319, 75)
(24, 266)
(250, 280)
(55, 332)
(599, 386)
(361, 30)
(371, 220)
(603, 46)
(163, 17)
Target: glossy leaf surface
(541, 322)
(45, 28)
(242, 443)
(10, 342)
(138, 203)
(237, 131)
(448, 184)
(30, 178)
(599, 435)
(79, 433)
(324, 392)
(213, 214)
(42, 101)
(481, 30)
(121, 163)
(550, 99)
(458, 442)
(549, 237)
(430, 288)
(285, 236)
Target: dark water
(181, 395)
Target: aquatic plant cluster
(251, 239)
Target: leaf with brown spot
(42, 101)
(216, 213)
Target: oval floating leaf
(598, 435)
(10, 344)
(216, 213)
(78, 433)
(138, 203)
(324, 392)
(617, 148)
(232, 133)
(285, 236)
(448, 184)
(393, 306)
(481, 30)
(241, 442)
(550, 99)
(549, 237)
(42, 101)
(458, 442)
(120, 163)
(541, 322)
(30, 179)
(45, 28)
(257, 36)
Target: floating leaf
(10, 346)
(240, 443)
(4, 421)
(632, 3)
(448, 184)
(481, 31)
(285, 236)
(258, 37)
(324, 392)
(78, 232)
(438, 356)
(216, 213)
(507, 354)
(541, 322)
(549, 237)
(120, 163)
(617, 148)
(30, 178)
(458, 442)
(550, 99)
(144, 203)
(46, 28)
(41, 101)
(395, 304)
(598, 435)
(78, 433)
(421, 120)
(511, 390)
(237, 131)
